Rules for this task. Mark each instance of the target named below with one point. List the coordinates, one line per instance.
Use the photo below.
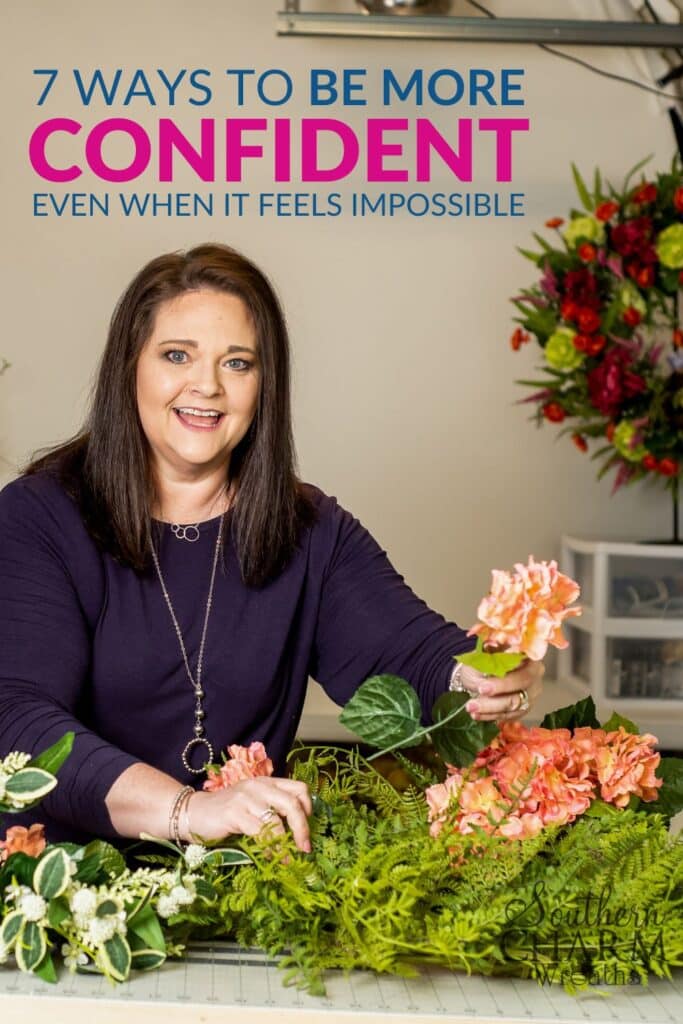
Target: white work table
(221, 982)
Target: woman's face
(201, 358)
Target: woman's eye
(244, 364)
(172, 353)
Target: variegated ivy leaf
(225, 857)
(29, 785)
(31, 946)
(11, 926)
(52, 874)
(116, 957)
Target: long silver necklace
(199, 739)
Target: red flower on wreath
(554, 412)
(581, 289)
(588, 320)
(605, 211)
(632, 236)
(645, 193)
(678, 199)
(612, 382)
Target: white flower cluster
(14, 762)
(73, 957)
(180, 895)
(92, 930)
(31, 905)
(194, 855)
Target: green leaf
(601, 809)
(535, 257)
(161, 842)
(459, 741)
(116, 958)
(491, 664)
(634, 170)
(584, 194)
(573, 716)
(52, 759)
(29, 785)
(384, 711)
(57, 912)
(227, 857)
(52, 874)
(11, 926)
(102, 860)
(106, 908)
(46, 970)
(21, 867)
(670, 796)
(31, 946)
(204, 890)
(597, 185)
(148, 932)
(615, 720)
(147, 959)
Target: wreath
(606, 315)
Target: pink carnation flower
(246, 763)
(524, 610)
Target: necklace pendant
(198, 741)
(189, 532)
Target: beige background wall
(404, 380)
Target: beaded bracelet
(173, 817)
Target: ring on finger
(522, 701)
(267, 815)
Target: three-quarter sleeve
(371, 622)
(45, 650)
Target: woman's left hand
(502, 700)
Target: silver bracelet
(180, 796)
(455, 683)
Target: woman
(168, 584)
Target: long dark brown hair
(106, 465)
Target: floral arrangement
(475, 862)
(606, 315)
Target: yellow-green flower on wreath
(588, 228)
(669, 246)
(629, 295)
(624, 436)
(560, 352)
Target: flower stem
(417, 735)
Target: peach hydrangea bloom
(524, 610)
(530, 778)
(19, 839)
(626, 765)
(245, 763)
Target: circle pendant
(198, 741)
(188, 532)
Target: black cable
(584, 63)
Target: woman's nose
(206, 379)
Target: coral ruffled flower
(626, 765)
(19, 839)
(524, 610)
(530, 778)
(245, 763)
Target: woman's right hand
(242, 808)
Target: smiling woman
(168, 584)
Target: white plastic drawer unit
(628, 644)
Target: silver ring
(266, 815)
(523, 702)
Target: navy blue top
(88, 645)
